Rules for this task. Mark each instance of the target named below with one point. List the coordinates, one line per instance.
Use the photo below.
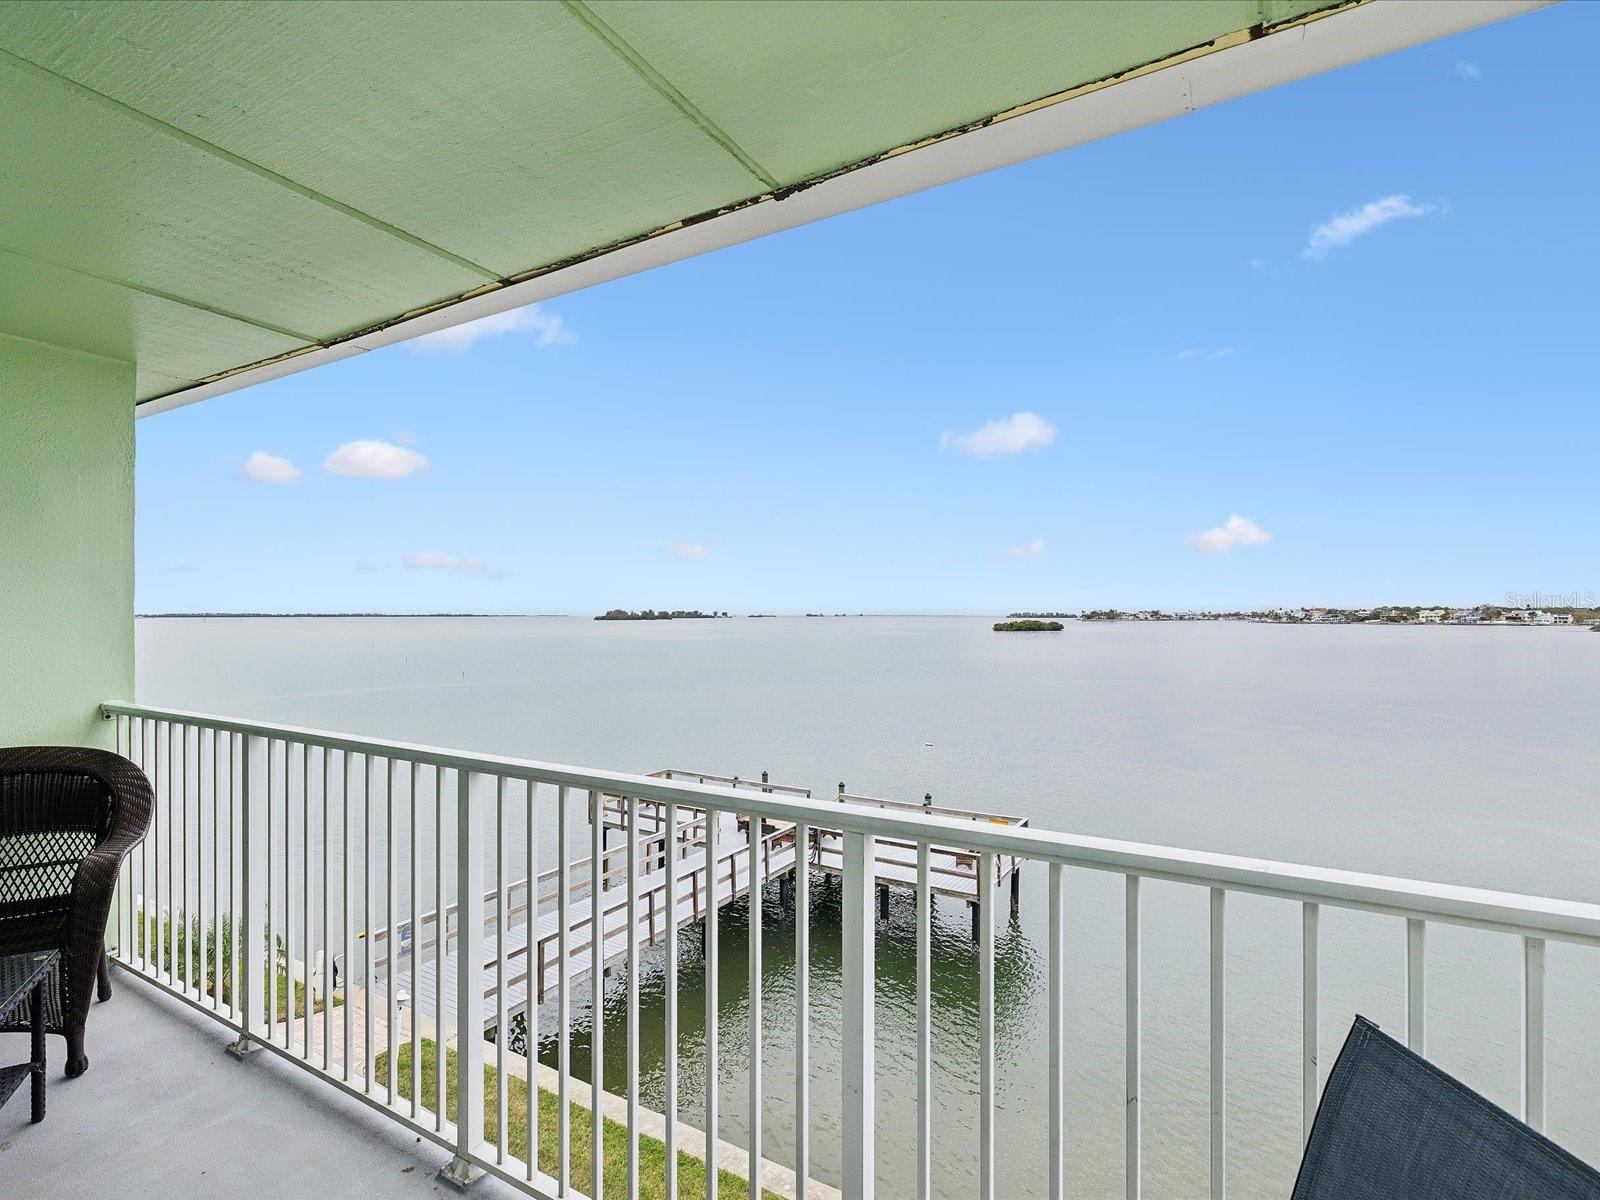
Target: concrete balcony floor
(164, 1112)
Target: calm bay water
(1464, 755)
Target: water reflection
(955, 1016)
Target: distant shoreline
(1581, 622)
(168, 615)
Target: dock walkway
(531, 961)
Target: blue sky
(1401, 407)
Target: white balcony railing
(394, 863)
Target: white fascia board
(1350, 36)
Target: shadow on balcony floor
(164, 1112)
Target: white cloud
(262, 467)
(1347, 227)
(429, 560)
(1012, 435)
(547, 328)
(1469, 70)
(1030, 550)
(370, 459)
(688, 551)
(1195, 352)
(1235, 531)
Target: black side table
(23, 978)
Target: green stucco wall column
(66, 542)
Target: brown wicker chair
(67, 816)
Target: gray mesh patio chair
(1392, 1126)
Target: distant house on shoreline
(1534, 616)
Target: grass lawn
(180, 952)
(652, 1153)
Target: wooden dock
(532, 939)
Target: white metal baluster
(469, 978)
(710, 936)
(347, 912)
(155, 938)
(597, 982)
(153, 901)
(197, 980)
(123, 744)
(1133, 1029)
(327, 908)
(1308, 1016)
(754, 906)
(185, 935)
(111, 945)
(416, 943)
(200, 907)
(252, 888)
(533, 988)
(1416, 935)
(802, 1011)
(294, 990)
(135, 889)
(289, 912)
(288, 895)
(135, 754)
(563, 999)
(236, 745)
(986, 888)
(441, 927)
(186, 939)
(1056, 1179)
(306, 989)
(163, 857)
(925, 1024)
(1219, 1086)
(1533, 1031)
(501, 1031)
(530, 1007)
(631, 804)
(216, 895)
(368, 1054)
(149, 848)
(218, 904)
(200, 864)
(138, 944)
(176, 866)
(391, 937)
(858, 1078)
(194, 886)
(169, 952)
(670, 1182)
(271, 891)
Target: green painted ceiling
(196, 188)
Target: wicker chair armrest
(92, 888)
